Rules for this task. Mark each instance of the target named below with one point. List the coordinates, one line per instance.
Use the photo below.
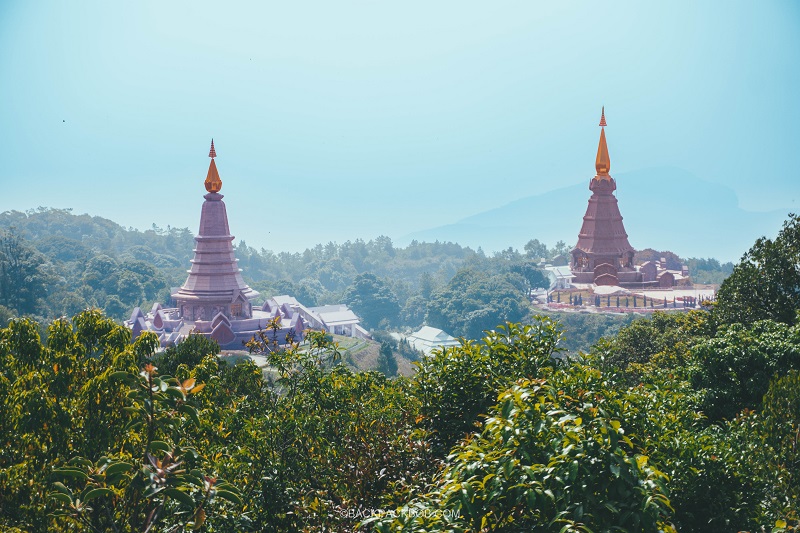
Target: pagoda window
(236, 309)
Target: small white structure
(337, 319)
(560, 277)
(427, 339)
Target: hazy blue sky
(338, 120)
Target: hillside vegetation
(54, 263)
(682, 422)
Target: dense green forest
(54, 263)
(680, 422)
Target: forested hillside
(55, 263)
(683, 422)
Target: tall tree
(24, 275)
(536, 250)
(766, 283)
(474, 301)
(534, 278)
(561, 248)
(372, 300)
(386, 360)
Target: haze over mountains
(663, 208)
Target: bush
(456, 385)
(543, 462)
(735, 367)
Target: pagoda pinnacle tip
(213, 183)
(603, 117)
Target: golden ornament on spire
(603, 162)
(213, 183)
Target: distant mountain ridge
(662, 208)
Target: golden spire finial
(213, 183)
(603, 162)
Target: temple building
(215, 283)
(214, 300)
(603, 255)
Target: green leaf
(195, 476)
(118, 468)
(224, 485)
(573, 470)
(121, 375)
(97, 493)
(60, 487)
(159, 445)
(133, 424)
(80, 462)
(230, 496)
(191, 411)
(175, 393)
(180, 496)
(61, 497)
(71, 472)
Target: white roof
(285, 299)
(339, 318)
(328, 308)
(560, 271)
(335, 315)
(427, 333)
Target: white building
(337, 319)
(427, 339)
(560, 277)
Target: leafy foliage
(735, 367)
(387, 364)
(474, 301)
(457, 385)
(766, 283)
(373, 300)
(708, 271)
(583, 330)
(662, 334)
(544, 461)
(24, 275)
(684, 422)
(781, 420)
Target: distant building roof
(427, 339)
(427, 333)
(560, 276)
(285, 299)
(561, 271)
(335, 315)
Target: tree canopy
(766, 283)
(474, 301)
(373, 300)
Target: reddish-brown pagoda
(603, 254)
(215, 283)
